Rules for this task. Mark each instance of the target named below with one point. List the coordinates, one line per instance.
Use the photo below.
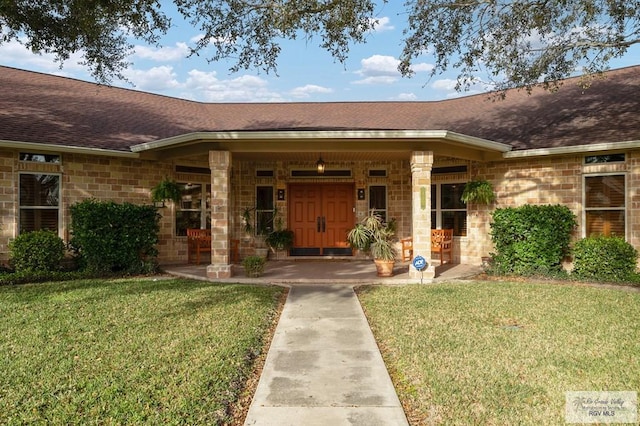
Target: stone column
(220, 164)
(421, 165)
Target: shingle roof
(48, 109)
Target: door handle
(324, 224)
(318, 224)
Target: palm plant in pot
(376, 238)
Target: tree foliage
(520, 42)
(517, 42)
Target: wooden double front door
(320, 216)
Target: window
(600, 159)
(194, 170)
(447, 211)
(314, 173)
(39, 158)
(264, 209)
(604, 205)
(377, 173)
(265, 173)
(39, 202)
(194, 210)
(378, 200)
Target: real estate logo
(601, 407)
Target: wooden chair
(441, 243)
(198, 241)
(407, 249)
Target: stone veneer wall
(540, 180)
(8, 211)
(244, 182)
(83, 177)
(547, 180)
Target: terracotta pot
(384, 267)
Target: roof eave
(323, 135)
(42, 147)
(575, 149)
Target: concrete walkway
(323, 366)
(355, 272)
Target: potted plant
(376, 238)
(247, 223)
(251, 232)
(478, 191)
(254, 265)
(279, 239)
(166, 190)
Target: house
(64, 140)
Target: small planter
(376, 238)
(254, 266)
(280, 240)
(487, 263)
(262, 252)
(384, 268)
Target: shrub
(36, 251)
(111, 237)
(253, 265)
(604, 259)
(531, 240)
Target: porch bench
(198, 241)
(441, 243)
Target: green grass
(503, 353)
(128, 351)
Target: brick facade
(539, 180)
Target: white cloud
(379, 65)
(163, 54)
(308, 90)
(422, 67)
(383, 24)
(444, 84)
(156, 79)
(383, 79)
(405, 97)
(17, 55)
(205, 86)
(382, 69)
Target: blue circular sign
(419, 263)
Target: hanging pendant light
(320, 166)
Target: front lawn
(501, 352)
(168, 351)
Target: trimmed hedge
(111, 237)
(601, 258)
(36, 251)
(531, 240)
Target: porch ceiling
(332, 146)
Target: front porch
(338, 271)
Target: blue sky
(306, 73)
